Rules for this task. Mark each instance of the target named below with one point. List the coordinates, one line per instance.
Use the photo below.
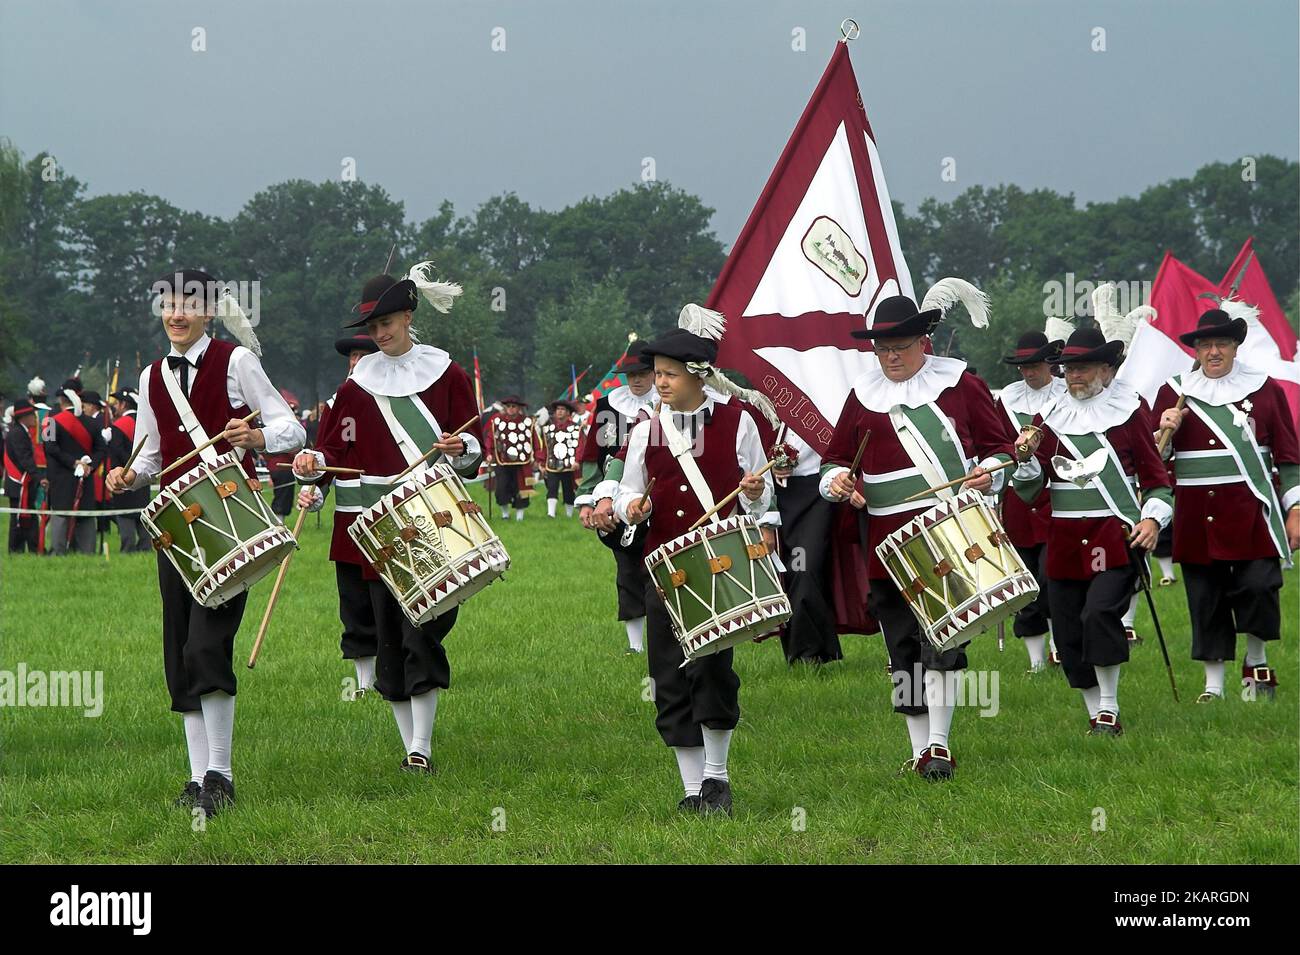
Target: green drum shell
(724, 598)
(214, 548)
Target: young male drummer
(1232, 527)
(695, 445)
(1096, 518)
(204, 386)
(613, 418)
(397, 404)
(560, 440)
(929, 419)
(358, 643)
(1026, 523)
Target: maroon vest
(211, 406)
(675, 506)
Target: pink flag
(1270, 346)
(819, 250)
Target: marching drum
(958, 570)
(217, 531)
(427, 540)
(720, 586)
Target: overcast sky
(585, 90)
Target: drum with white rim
(429, 543)
(720, 586)
(958, 570)
(216, 529)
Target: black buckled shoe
(189, 797)
(690, 804)
(1263, 677)
(417, 763)
(715, 796)
(1106, 724)
(936, 764)
(217, 793)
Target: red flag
(1277, 355)
(819, 250)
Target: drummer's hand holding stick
(240, 435)
(640, 509)
(602, 516)
(1145, 533)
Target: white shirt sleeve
(247, 384)
(999, 478)
(149, 461)
(473, 452)
(752, 457)
(824, 485)
(1158, 511)
(632, 484)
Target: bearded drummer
(697, 705)
(1095, 443)
(929, 419)
(1233, 529)
(1026, 523)
(398, 403)
(212, 385)
(358, 642)
(560, 439)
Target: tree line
(547, 291)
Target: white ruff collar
(877, 393)
(1235, 385)
(629, 405)
(1096, 415)
(407, 374)
(1018, 396)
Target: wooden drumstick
(732, 496)
(275, 591)
(857, 458)
(646, 496)
(961, 480)
(134, 454)
(432, 451)
(206, 444)
(1167, 434)
(327, 469)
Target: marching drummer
(918, 420)
(696, 452)
(398, 404)
(203, 387)
(1098, 530)
(560, 437)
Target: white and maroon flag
(819, 250)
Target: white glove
(311, 498)
(106, 434)
(79, 471)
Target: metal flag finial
(849, 30)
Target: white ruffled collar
(1096, 415)
(877, 393)
(407, 374)
(629, 405)
(1235, 385)
(1019, 397)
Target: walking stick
(1167, 434)
(1144, 577)
(275, 591)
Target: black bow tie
(692, 424)
(183, 363)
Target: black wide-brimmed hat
(562, 403)
(72, 384)
(383, 295)
(22, 408)
(187, 282)
(634, 360)
(89, 397)
(361, 342)
(680, 344)
(1089, 345)
(898, 317)
(513, 400)
(126, 396)
(1032, 348)
(1216, 323)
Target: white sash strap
(183, 408)
(916, 449)
(681, 449)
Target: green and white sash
(415, 430)
(1109, 494)
(1241, 459)
(927, 436)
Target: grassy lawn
(547, 752)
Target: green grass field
(547, 751)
